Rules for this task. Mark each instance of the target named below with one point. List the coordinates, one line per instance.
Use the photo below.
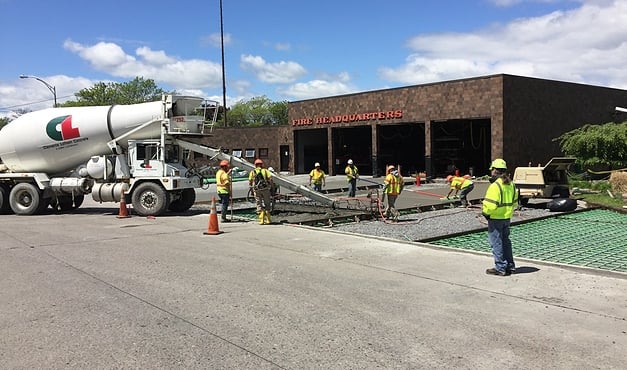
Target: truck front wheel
(25, 199)
(150, 199)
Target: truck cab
(549, 181)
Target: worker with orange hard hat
(223, 185)
(462, 185)
(260, 180)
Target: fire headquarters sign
(345, 118)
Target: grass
(600, 196)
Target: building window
(237, 153)
(263, 152)
(250, 153)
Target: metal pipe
(296, 188)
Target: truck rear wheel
(5, 207)
(185, 202)
(150, 199)
(26, 199)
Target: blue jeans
(498, 237)
(463, 195)
(352, 188)
(224, 201)
(317, 187)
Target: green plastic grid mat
(595, 238)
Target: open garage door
(462, 145)
(311, 146)
(401, 144)
(353, 143)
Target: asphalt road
(88, 290)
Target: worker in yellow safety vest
(462, 185)
(223, 185)
(352, 174)
(392, 187)
(260, 180)
(317, 177)
(499, 203)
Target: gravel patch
(435, 224)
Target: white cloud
(215, 39)
(282, 46)
(275, 73)
(587, 44)
(317, 88)
(157, 65)
(38, 95)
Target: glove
(487, 217)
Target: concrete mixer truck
(54, 157)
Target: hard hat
(449, 178)
(317, 164)
(350, 161)
(467, 177)
(498, 164)
(270, 169)
(258, 161)
(224, 163)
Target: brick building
(436, 127)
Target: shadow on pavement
(526, 270)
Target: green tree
(3, 122)
(138, 90)
(595, 145)
(257, 111)
(279, 112)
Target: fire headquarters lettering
(359, 117)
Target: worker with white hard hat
(352, 174)
(317, 177)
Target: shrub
(618, 181)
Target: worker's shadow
(526, 270)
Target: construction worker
(224, 186)
(317, 178)
(462, 185)
(393, 185)
(501, 198)
(260, 180)
(352, 174)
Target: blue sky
(299, 49)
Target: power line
(37, 102)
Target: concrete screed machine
(136, 153)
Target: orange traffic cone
(213, 219)
(123, 211)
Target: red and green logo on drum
(60, 129)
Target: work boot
(266, 218)
(224, 219)
(496, 272)
(262, 216)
